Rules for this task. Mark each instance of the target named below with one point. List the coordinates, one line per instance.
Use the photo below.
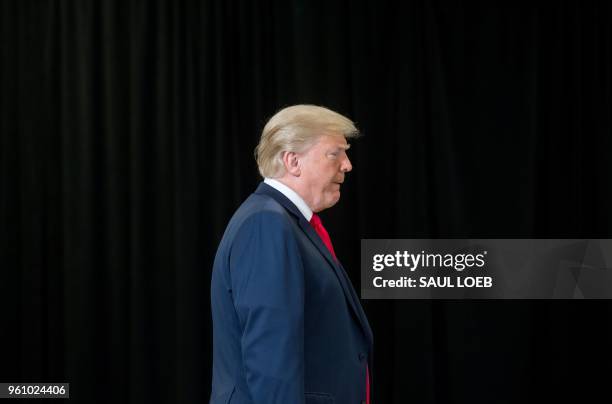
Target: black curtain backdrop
(127, 132)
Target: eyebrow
(339, 147)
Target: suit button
(362, 356)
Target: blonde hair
(295, 129)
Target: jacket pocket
(319, 398)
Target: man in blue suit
(288, 327)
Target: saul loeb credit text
(431, 270)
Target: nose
(346, 165)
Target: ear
(292, 163)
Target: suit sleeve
(268, 282)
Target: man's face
(322, 170)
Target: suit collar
(265, 189)
(293, 196)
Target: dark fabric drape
(126, 138)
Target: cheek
(324, 178)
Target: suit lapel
(360, 313)
(349, 293)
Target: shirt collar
(291, 195)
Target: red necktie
(316, 223)
(367, 384)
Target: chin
(333, 201)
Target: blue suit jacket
(288, 327)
